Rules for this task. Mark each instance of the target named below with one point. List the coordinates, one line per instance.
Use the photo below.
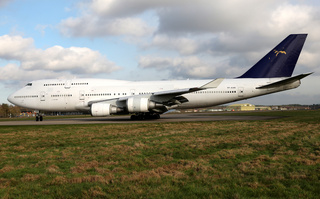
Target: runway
(186, 117)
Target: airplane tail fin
(280, 61)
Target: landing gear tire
(145, 116)
(39, 118)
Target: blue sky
(153, 40)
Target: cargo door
(67, 84)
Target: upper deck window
(29, 84)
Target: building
(241, 107)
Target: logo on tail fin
(280, 51)
(275, 65)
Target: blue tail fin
(280, 61)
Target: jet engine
(135, 105)
(103, 109)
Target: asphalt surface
(186, 117)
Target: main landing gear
(145, 116)
(39, 117)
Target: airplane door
(42, 96)
(240, 92)
(81, 95)
(132, 91)
(67, 84)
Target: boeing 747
(149, 99)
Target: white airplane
(149, 99)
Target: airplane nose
(11, 98)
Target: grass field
(224, 159)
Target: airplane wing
(168, 98)
(284, 82)
(159, 102)
(172, 97)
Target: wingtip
(307, 74)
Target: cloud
(11, 47)
(288, 17)
(180, 67)
(183, 45)
(213, 16)
(98, 17)
(101, 18)
(13, 73)
(52, 61)
(126, 8)
(240, 32)
(93, 26)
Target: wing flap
(168, 97)
(213, 84)
(177, 91)
(111, 101)
(172, 96)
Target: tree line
(7, 110)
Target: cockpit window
(29, 84)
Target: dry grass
(275, 158)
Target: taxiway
(187, 117)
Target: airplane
(149, 99)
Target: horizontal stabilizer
(284, 82)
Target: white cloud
(108, 18)
(291, 18)
(125, 8)
(11, 47)
(93, 26)
(39, 63)
(13, 73)
(239, 31)
(310, 60)
(78, 60)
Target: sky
(154, 40)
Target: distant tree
(15, 111)
(7, 110)
(4, 111)
(1, 111)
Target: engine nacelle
(138, 105)
(102, 109)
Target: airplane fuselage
(76, 94)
